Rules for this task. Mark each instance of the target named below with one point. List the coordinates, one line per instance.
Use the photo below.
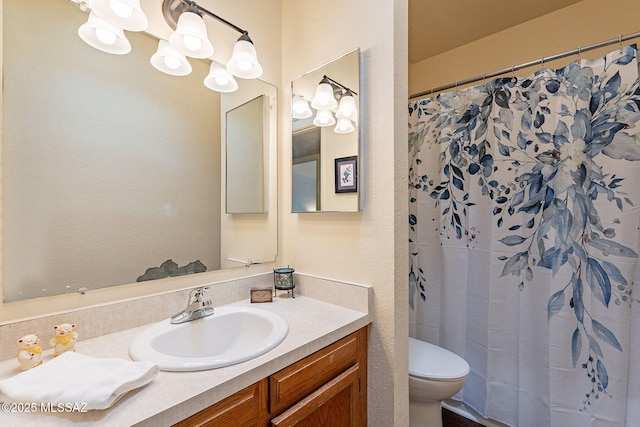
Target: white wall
(371, 246)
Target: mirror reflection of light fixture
(100, 34)
(219, 79)
(344, 126)
(170, 61)
(300, 108)
(347, 107)
(324, 99)
(324, 118)
(126, 14)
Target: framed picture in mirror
(346, 174)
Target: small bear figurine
(29, 352)
(65, 339)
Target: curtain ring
(542, 62)
(579, 53)
(620, 42)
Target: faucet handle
(196, 294)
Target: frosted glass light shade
(170, 61)
(300, 108)
(219, 79)
(324, 99)
(190, 36)
(344, 126)
(244, 60)
(347, 107)
(324, 118)
(126, 14)
(98, 33)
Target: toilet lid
(429, 361)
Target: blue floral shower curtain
(524, 235)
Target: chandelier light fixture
(108, 19)
(332, 97)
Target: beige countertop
(173, 396)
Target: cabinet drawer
(243, 408)
(334, 404)
(297, 381)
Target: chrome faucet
(197, 307)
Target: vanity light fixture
(244, 60)
(100, 34)
(108, 19)
(126, 14)
(190, 36)
(300, 107)
(219, 79)
(170, 61)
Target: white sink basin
(230, 335)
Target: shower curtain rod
(541, 61)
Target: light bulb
(244, 65)
(324, 118)
(121, 9)
(298, 108)
(221, 80)
(105, 36)
(324, 99)
(171, 62)
(192, 43)
(344, 126)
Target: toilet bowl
(435, 374)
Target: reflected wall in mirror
(245, 157)
(112, 171)
(249, 238)
(321, 135)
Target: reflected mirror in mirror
(326, 137)
(113, 171)
(245, 157)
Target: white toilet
(435, 374)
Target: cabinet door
(297, 381)
(244, 408)
(335, 404)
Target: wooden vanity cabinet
(327, 388)
(245, 408)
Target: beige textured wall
(370, 246)
(584, 23)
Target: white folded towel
(76, 378)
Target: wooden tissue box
(261, 294)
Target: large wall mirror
(326, 137)
(112, 172)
